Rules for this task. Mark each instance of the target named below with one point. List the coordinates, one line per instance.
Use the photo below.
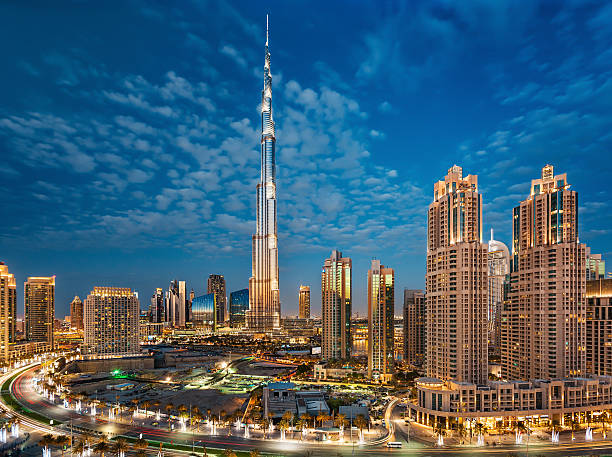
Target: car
(394, 444)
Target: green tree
(62, 441)
(120, 446)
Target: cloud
(231, 52)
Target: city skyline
(503, 149)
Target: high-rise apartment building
(112, 322)
(304, 302)
(157, 308)
(216, 285)
(336, 306)
(39, 301)
(8, 311)
(381, 321)
(238, 305)
(595, 266)
(543, 323)
(76, 313)
(414, 327)
(599, 327)
(456, 281)
(499, 268)
(264, 312)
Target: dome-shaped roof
(495, 245)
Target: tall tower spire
(263, 314)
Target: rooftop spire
(266, 30)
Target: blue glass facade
(239, 303)
(204, 311)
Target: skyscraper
(76, 313)
(39, 301)
(204, 309)
(176, 304)
(264, 299)
(304, 302)
(414, 326)
(238, 306)
(216, 285)
(543, 323)
(112, 321)
(595, 266)
(381, 321)
(157, 310)
(499, 267)
(336, 306)
(456, 281)
(599, 327)
(8, 311)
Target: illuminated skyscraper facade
(157, 309)
(76, 313)
(456, 281)
(304, 302)
(112, 321)
(39, 301)
(336, 307)
(381, 321)
(543, 323)
(216, 285)
(264, 300)
(499, 267)
(204, 310)
(414, 327)
(8, 311)
(238, 306)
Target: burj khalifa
(263, 314)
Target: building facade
(304, 302)
(112, 322)
(238, 306)
(381, 322)
(216, 285)
(8, 311)
(176, 304)
(76, 313)
(414, 327)
(204, 310)
(157, 308)
(264, 311)
(456, 281)
(39, 304)
(336, 307)
(599, 327)
(543, 323)
(595, 266)
(499, 267)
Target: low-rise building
(539, 402)
(324, 372)
(280, 397)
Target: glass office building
(239, 303)
(204, 311)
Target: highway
(22, 390)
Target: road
(22, 390)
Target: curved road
(22, 390)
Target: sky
(129, 132)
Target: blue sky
(129, 132)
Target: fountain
(518, 438)
(480, 441)
(440, 441)
(554, 437)
(3, 435)
(589, 434)
(246, 431)
(15, 430)
(93, 409)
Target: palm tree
(141, 453)
(141, 443)
(79, 448)
(145, 406)
(306, 418)
(136, 402)
(321, 417)
(254, 453)
(340, 421)
(439, 428)
(196, 418)
(169, 407)
(62, 441)
(46, 441)
(229, 453)
(361, 423)
(101, 447)
(120, 446)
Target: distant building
(39, 300)
(112, 322)
(304, 302)
(599, 327)
(238, 305)
(543, 323)
(456, 281)
(76, 313)
(280, 397)
(414, 327)
(595, 266)
(381, 322)
(298, 327)
(157, 309)
(8, 311)
(176, 304)
(499, 267)
(216, 285)
(336, 306)
(204, 309)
